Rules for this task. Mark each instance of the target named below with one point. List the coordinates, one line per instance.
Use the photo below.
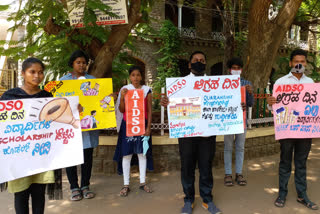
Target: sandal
(124, 191)
(279, 202)
(145, 188)
(308, 203)
(87, 194)
(76, 195)
(228, 180)
(240, 180)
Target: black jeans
(86, 168)
(300, 148)
(193, 150)
(21, 199)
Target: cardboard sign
(204, 106)
(243, 100)
(37, 135)
(135, 116)
(98, 106)
(296, 112)
(119, 8)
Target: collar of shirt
(192, 75)
(290, 75)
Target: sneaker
(211, 208)
(187, 208)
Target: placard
(135, 112)
(204, 106)
(94, 94)
(37, 135)
(296, 112)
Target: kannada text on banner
(38, 135)
(98, 106)
(204, 106)
(118, 7)
(135, 118)
(296, 112)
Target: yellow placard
(94, 96)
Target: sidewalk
(256, 198)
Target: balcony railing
(191, 33)
(287, 42)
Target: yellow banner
(98, 106)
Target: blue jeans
(239, 140)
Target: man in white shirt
(195, 150)
(299, 147)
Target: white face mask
(236, 72)
(299, 69)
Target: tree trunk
(265, 37)
(102, 66)
(103, 54)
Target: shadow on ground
(256, 198)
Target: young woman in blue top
(78, 62)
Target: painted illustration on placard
(185, 108)
(89, 121)
(105, 104)
(58, 110)
(87, 90)
(284, 117)
(94, 95)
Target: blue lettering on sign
(65, 94)
(44, 148)
(282, 127)
(305, 128)
(313, 110)
(29, 126)
(315, 129)
(294, 127)
(17, 149)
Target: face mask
(198, 67)
(236, 72)
(299, 69)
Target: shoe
(211, 208)
(187, 208)
(280, 202)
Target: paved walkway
(256, 198)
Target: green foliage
(55, 50)
(170, 52)
(4, 7)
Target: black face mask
(198, 67)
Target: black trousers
(193, 150)
(21, 199)
(300, 148)
(86, 168)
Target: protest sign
(204, 106)
(98, 112)
(135, 117)
(296, 112)
(119, 8)
(37, 135)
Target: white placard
(37, 135)
(204, 106)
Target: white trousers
(126, 163)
